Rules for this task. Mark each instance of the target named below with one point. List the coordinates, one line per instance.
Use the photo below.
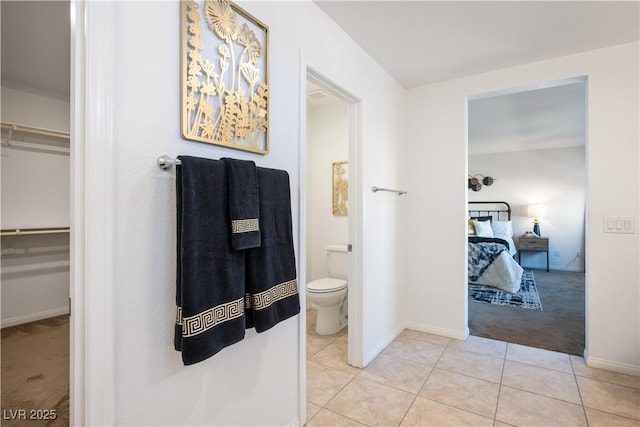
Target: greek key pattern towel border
(245, 225)
(210, 318)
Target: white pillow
(502, 227)
(483, 228)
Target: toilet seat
(325, 285)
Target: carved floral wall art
(225, 88)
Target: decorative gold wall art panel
(225, 87)
(341, 188)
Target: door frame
(355, 219)
(581, 79)
(92, 382)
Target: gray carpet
(560, 327)
(35, 372)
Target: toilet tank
(337, 261)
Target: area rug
(526, 297)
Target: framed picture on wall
(341, 188)
(225, 85)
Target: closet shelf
(32, 231)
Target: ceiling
(417, 42)
(549, 117)
(36, 46)
(423, 42)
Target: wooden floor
(35, 373)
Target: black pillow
(482, 218)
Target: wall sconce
(476, 184)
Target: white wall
(553, 177)
(327, 142)
(254, 382)
(35, 194)
(436, 170)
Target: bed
(491, 248)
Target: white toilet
(329, 294)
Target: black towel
(271, 284)
(210, 292)
(243, 203)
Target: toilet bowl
(329, 294)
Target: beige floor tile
(539, 357)
(472, 364)
(324, 382)
(413, 349)
(463, 392)
(425, 412)
(542, 381)
(312, 410)
(315, 343)
(611, 398)
(371, 403)
(581, 369)
(481, 345)
(521, 408)
(334, 355)
(398, 373)
(602, 419)
(425, 336)
(326, 418)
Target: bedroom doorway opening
(532, 142)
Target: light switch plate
(619, 225)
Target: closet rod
(32, 231)
(34, 130)
(376, 189)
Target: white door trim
(355, 221)
(92, 169)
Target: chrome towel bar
(165, 162)
(376, 189)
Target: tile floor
(427, 380)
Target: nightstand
(533, 244)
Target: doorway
(36, 153)
(329, 158)
(532, 141)
(327, 208)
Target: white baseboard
(449, 333)
(32, 317)
(382, 345)
(623, 368)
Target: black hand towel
(210, 292)
(271, 284)
(243, 203)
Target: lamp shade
(537, 211)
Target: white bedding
(512, 246)
(503, 273)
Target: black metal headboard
(500, 209)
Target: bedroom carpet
(35, 372)
(560, 327)
(526, 297)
